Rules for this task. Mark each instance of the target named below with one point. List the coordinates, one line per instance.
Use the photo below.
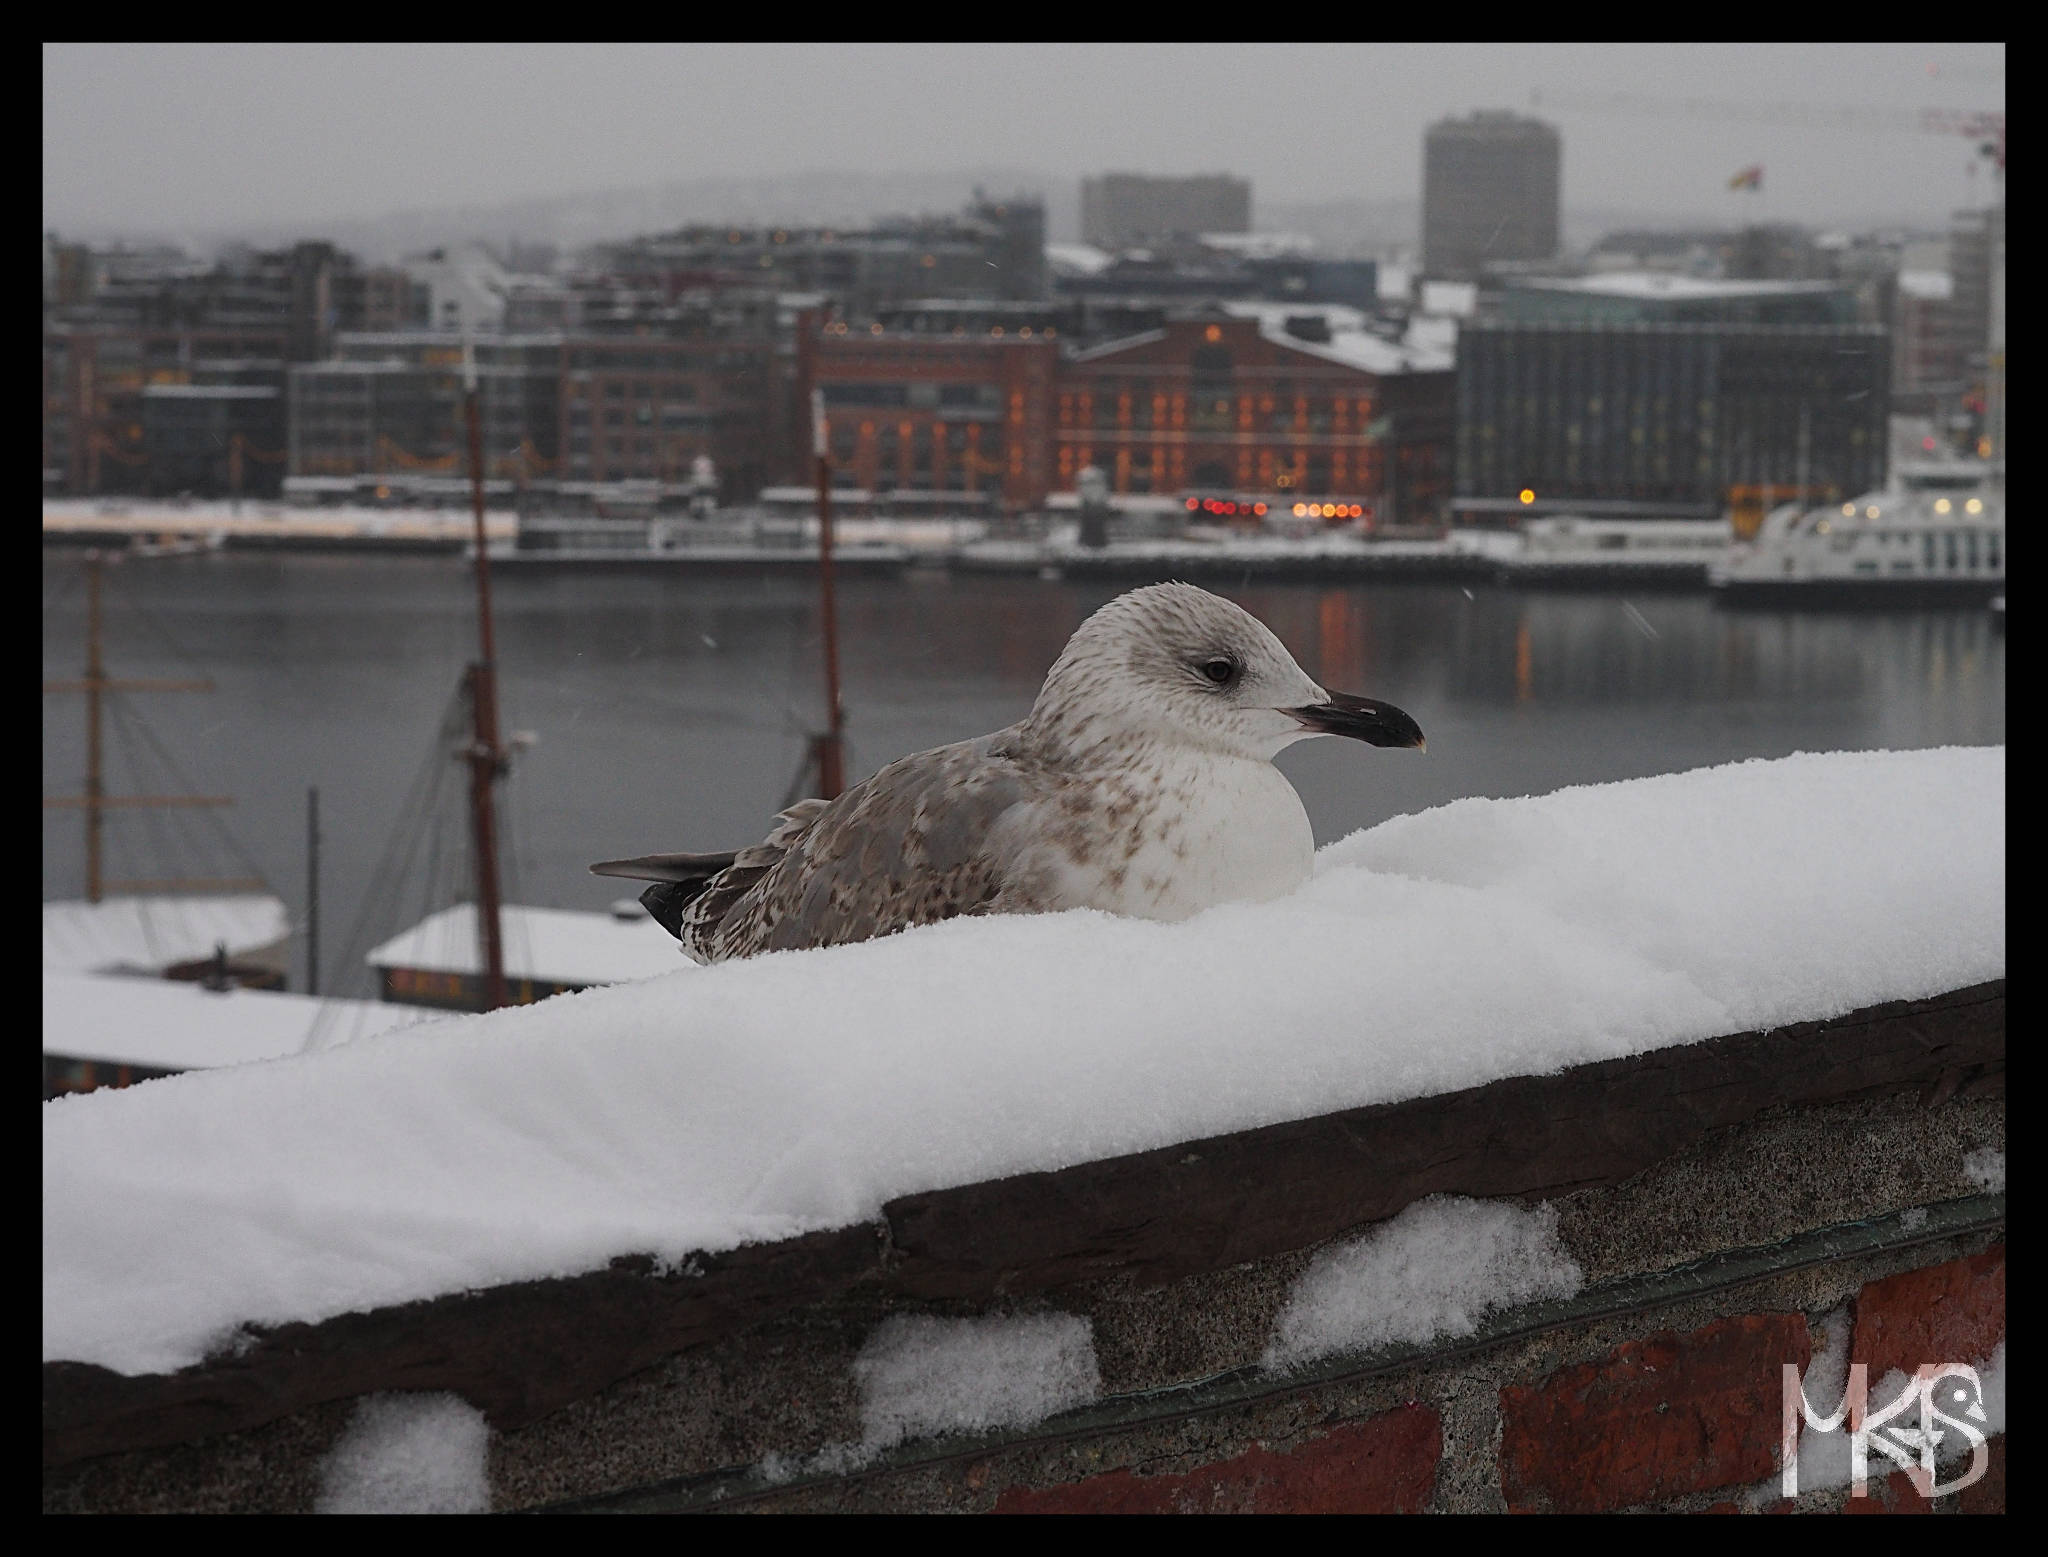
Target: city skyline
(178, 139)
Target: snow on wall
(408, 1454)
(919, 1374)
(1437, 1269)
(1985, 1168)
(756, 1100)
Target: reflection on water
(672, 714)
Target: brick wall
(1709, 1264)
(1670, 1420)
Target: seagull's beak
(1361, 718)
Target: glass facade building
(1673, 418)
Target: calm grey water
(671, 714)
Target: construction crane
(1986, 127)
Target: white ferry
(1572, 549)
(1912, 544)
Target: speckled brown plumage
(1139, 783)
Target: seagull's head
(1177, 663)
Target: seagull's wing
(916, 843)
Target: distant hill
(569, 221)
(1372, 225)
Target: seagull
(1141, 783)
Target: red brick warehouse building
(1261, 403)
(962, 414)
(1251, 402)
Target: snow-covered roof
(1449, 299)
(1658, 283)
(117, 515)
(169, 1024)
(1078, 259)
(1936, 286)
(558, 945)
(149, 934)
(1350, 342)
(759, 1100)
(1260, 245)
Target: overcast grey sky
(137, 136)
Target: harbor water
(671, 713)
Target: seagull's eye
(1219, 671)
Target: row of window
(1952, 551)
(915, 395)
(724, 361)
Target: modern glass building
(1677, 420)
(1648, 297)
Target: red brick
(1385, 1465)
(1942, 1313)
(1986, 1496)
(1655, 1419)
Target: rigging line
(236, 851)
(443, 885)
(158, 914)
(154, 623)
(380, 898)
(380, 903)
(518, 941)
(67, 581)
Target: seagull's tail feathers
(679, 879)
(692, 893)
(665, 867)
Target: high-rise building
(1977, 262)
(1491, 190)
(1929, 348)
(1122, 209)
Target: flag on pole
(1748, 178)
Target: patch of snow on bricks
(1436, 1270)
(921, 1375)
(409, 1454)
(1985, 1168)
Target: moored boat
(1903, 546)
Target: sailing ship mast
(831, 746)
(486, 756)
(825, 754)
(96, 802)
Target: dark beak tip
(1362, 719)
